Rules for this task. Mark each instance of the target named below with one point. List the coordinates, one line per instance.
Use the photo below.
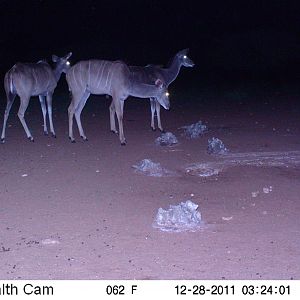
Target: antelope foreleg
(71, 111)
(44, 111)
(152, 106)
(112, 112)
(119, 105)
(49, 106)
(157, 107)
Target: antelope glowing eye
(184, 56)
(167, 94)
(67, 63)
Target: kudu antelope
(167, 75)
(110, 78)
(33, 79)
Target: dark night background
(230, 41)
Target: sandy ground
(79, 211)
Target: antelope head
(62, 63)
(184, 59)
(163, 94)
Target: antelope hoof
(2, 140)
(45, 132)
(153, 129)
(114, 131)
(72, 140)
(162, 130)
(53, 135)
(123, 144)
(84, 138)
(30, 138)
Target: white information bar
(156, 289)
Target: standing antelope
(167, 75)
(111, 78)
(33, 79)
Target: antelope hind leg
(10, 100)
(24, 101)
(78, 114)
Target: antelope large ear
(55, 58)
(159, 83)
(68, 55)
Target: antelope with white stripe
(112, 78)
(33, 79)
(166, 75)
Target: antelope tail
(9, 86)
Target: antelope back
(147, 74)
(98, 77)
(30, 79)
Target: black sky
(223, 36)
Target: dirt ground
(79, 211)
